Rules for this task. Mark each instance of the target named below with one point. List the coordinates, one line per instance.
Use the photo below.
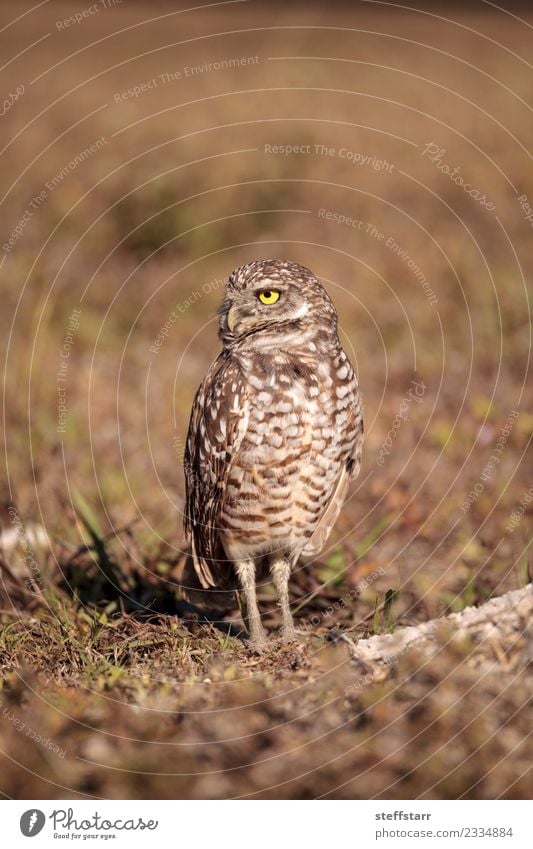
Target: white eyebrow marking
(304, 309)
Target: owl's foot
(281, 570)
(257, 641)
(288, 633)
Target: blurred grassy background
(145, 174)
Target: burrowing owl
(275, 434)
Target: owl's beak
(231, 317)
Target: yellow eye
(269, 296)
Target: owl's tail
(210, 599)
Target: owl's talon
(257, 646)
(288, 635)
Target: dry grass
(101, 656)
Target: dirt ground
(146, 151)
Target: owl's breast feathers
(273, 441)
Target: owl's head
(271, 303)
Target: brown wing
(350, 470)
(218, 423)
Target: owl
(275, 435)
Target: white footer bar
(268, 824)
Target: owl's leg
(281, 570)
(246, 572)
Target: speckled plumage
(275, 434)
